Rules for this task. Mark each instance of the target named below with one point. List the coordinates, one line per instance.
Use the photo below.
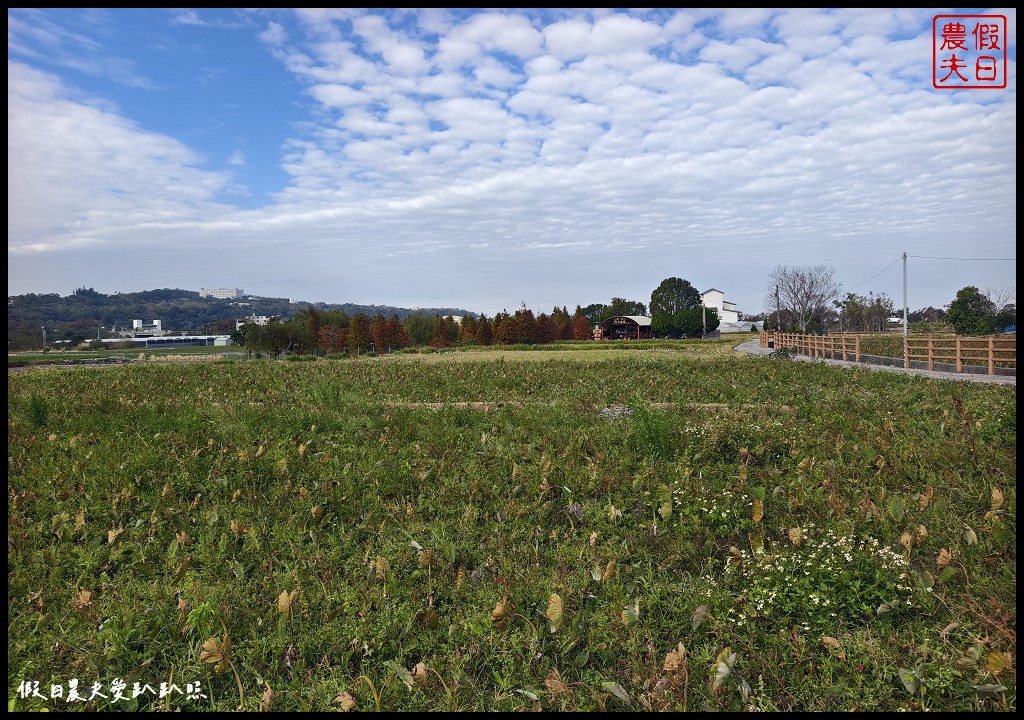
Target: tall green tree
(484, 333)
(972, 313)
(668, 301)
(672, 295)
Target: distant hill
(86, 312)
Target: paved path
(753, 347)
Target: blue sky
(482, 159)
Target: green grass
(628, 528)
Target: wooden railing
(956, 352)
(988, 352)
(835, 347)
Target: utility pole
(778, 323)
(905, 294)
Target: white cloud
(549, 156)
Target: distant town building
(727, 312)
(141, 329)
(253, 320)
(221, 293)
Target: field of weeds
(574, 528)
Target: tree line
(809, 299)
(805, 299)
(311, 331)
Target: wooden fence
(955, 353)
(987, 352)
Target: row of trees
(805, 299)
(676, 310)
(808, 299)
(311, 331)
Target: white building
(221, 293)
(253, 320)
(141, 329)
(727, 312)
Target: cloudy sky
(484, 159)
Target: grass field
(580, 528)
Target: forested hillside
(87, 313)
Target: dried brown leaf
(114, 534)
(796, 536)
(997, 662)
(83, 600)
(419, 674)
(216, 652)
(997, 499)
(285, 601)
(609, 571)
(756, 510)
(501, 613)
(268, 698)
(554, 612)
(381, 568)
(345, 701)
(555, 685)
(925, 498)
(832, 644)
(675, 661)
(945, 558)
(906, 539)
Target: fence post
(959, 356)
(906, 352)
(991, 355)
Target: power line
(878, 273)
(929, 257)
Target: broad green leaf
(723, 670)
(989, 689)
(429, 618)
(910, 680)
(403, 674)
(896, 508)
(699, 616)
(617, 690)
(631, 613)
